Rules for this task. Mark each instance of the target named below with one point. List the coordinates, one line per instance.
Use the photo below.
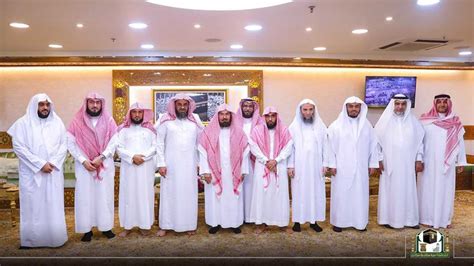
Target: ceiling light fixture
(197, 26)
(319, 48)
(253, 27)
(236, 46)
(138, 25)
(80, 25)
(147, 46)
(389, 18)
(55, 46)
(19, 25)
(360, 31)
(464, 53)
(427, 2)
(219, 5)
(308, 29)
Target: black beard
(225, 124)
(139, 122)
(40, 115)
(247, 116)
(308, 120)
(353, 116)
(272, 126)
(93, 114)
(181, 115)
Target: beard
(42, 116)
(271, 126)
(92, 113)
(181, 114)
(308, 120)
(247, 115)
(399, 113)
(137, 122)
(353, 116)
(225, 124)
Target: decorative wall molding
(227, 61)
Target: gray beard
(181, 115)
(308, 120)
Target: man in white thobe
(306, 167)
(444, 155)
(272, 145)
(136, 145)
(248, 115)
(400, 136)
(177, 163)
(223, 149)
(39, 141)
(88, 135)
(352, 157)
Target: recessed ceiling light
(319, 48)
(308, 29)
(147, 46)
(427, 2)
(219, 4)
(297, 58)
(80, 25)
(236, 46)
(360, 31)
(464, 53)
(197, 26)
(253, 27)
(55, 46)
(389, 18)
(137, 25)
(19, 25)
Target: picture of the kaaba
(206, 101)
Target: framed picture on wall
(207, 101)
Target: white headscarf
(388, 133)
(343, 120)
(319, 130)
(42, 136)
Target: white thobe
(225, 210)
(436, 185)
(248, 181)
(398, 201)
(177, 151)
(42, 219)
(308, 187)
(93, 198)
(350, 186)
(271, 205)
(137, 191)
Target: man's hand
(162, 171)
(97, 161)
(291, 172)
(207, 178)
(47, 168)
(138, 159)
(381, 168)
(89, 166)
(332, 171)
(419, 167)
(459, 169)
(373, 171)
(242, 178)
(271, 165)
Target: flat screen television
(379, 90)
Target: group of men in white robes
(245, 161)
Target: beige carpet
(376, 242)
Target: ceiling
(172, 30)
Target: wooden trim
(227, 61)
(469, 134)
(470, 159)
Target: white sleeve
(291, 159)
(203, 163)
(257, 152)
(245, 161)
(285, 152)
(125, 155)
(160, 145)
(74, 149)
(58, 158)
(461, 158)
(111, 146)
